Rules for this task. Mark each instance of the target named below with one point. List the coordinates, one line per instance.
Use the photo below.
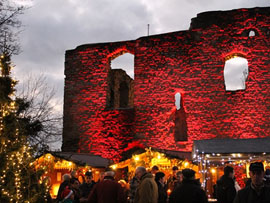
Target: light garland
(210, 162)
(14, 149)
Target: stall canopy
(213, 154)
(83, 159)
(228, 146)
(231, 149)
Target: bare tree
(9, 24)
(41, 105)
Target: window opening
(124, 62)
(235, 74)
(120, 81)
(252, 33)
(180, 120)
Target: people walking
(226, 190)
(147, 190)
(107, 191)
(162, 189)
(189, 191)
(256, 192)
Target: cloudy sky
(53, 26)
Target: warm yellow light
(114, 167)
(55, 188)
(186, 164)
(159, 157)
(137, 158)
(213, 170)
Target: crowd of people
(152, 187)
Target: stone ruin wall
(190, 62)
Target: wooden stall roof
(84, 159)
(227, 146)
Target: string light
(14, 148)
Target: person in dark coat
(225, 186)
(172, 179)
(87, 186)
(256, 192)
(189, 191)
(162, 189)
(63, 185)
(74, 186)
(107, 191)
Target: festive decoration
(151, 158)
(56, 166)
(211, 164)
(19, 180)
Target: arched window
(180, 120)
(235, 73)
(124, 62)
(120, 80)
(177, 100)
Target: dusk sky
(53, 26)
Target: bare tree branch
(9, 22)
(40, 96)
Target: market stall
(213, 155)
(56, 164)
(164, 159)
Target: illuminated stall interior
(213, 155)
(56, 164)
(165, 160)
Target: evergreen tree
(20, 181)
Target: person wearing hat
(87, 186)
(225, 188)
(256, 192)
(189, 191)
(67, 195)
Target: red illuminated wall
(190, 62)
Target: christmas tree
(20, 181)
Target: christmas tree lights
(20, 181)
